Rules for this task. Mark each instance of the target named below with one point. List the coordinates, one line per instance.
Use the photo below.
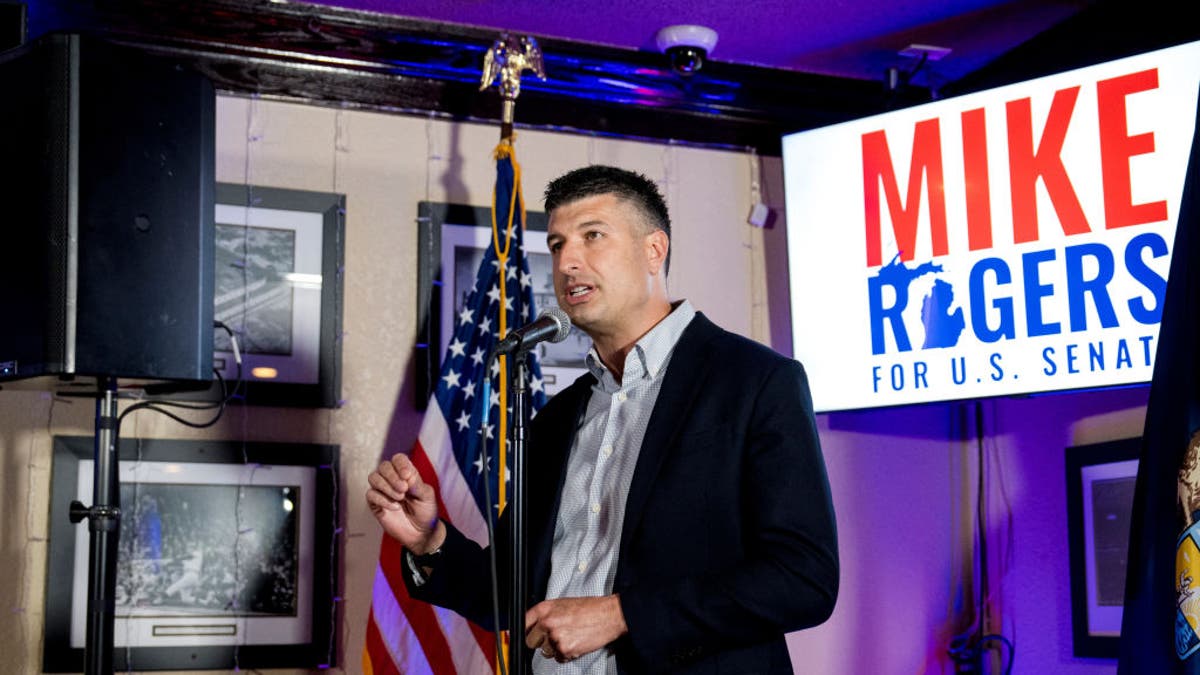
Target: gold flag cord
(505, 150)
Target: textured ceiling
(849, 38)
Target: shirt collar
(650, 353)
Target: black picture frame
(288, 296)
(296, 599)
(1101, 478)
(441, 228)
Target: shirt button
(596, 507)
(582, 567)
(607, 450)
(621, 397)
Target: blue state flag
(1160, 629)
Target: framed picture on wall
(226, 556)
(1100, 486)
(278, 287)
(452, 239)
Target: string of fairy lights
(341, 146)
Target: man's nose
(568, 258)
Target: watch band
(428, 559)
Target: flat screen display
(1011, 241)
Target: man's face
(605, 263)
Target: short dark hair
(630, 186)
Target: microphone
(552, 324)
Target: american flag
(407, 636)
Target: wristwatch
(429, 560)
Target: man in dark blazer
(712, 535)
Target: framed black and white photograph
(279, 256)
(1101, 479)
(452, 241)
(225, 556)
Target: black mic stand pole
(519, 581)
(104, 522)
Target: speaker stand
(104, 526)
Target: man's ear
(657, 245)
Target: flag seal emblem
(1187, 592)
(1187, 555)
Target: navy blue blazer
(729, 538)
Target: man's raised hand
(405, 505)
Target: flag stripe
(470, 653)
(467, 656)
(420, 615)
(399, 643)
(484, 640)
(377, 660)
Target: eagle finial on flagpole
(508, 57)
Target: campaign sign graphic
(1012, 241)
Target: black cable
(959, 649)
(1012, 650)
(485, 403)
(219, 406)
(917, 68)
(240, 382)
(981, 523)
(160, 407)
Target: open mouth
(579, 293)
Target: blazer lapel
(681, 385)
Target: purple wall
(904, 486)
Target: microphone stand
(104, 521)
(519, 558)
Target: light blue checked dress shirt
(600, 469)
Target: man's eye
(594, 234)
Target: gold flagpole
(506, 60)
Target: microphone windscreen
(564, 323)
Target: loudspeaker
(106, 216)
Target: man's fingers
(538, 639)
(404, 468)
(390, 475)
(536, 634)
(534, 614)
(421, 491)
(534, 638)
(393, 489)
(377, 500)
